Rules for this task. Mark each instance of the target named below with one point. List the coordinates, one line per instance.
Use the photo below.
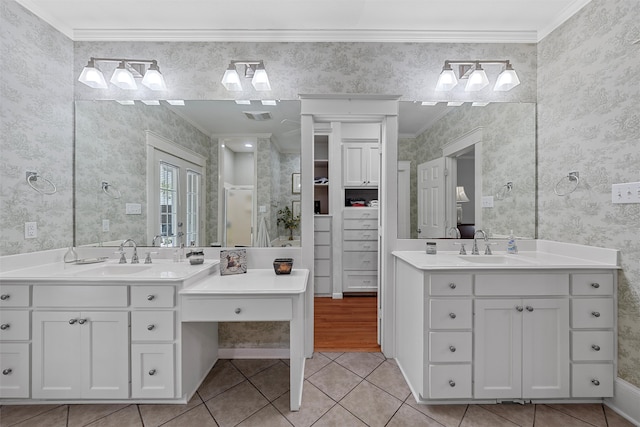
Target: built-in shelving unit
(321, 175)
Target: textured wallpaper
(589, 121)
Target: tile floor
(341, 389)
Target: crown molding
(47, 17)
(562, 17)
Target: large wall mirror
(467, 167)
(203, 173)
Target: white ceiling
(307, 20)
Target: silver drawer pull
(452, 383)
(595, 285)
(238, 310)
(152, 372)
(151, 327)
(595, 347)
(5, 297)
(595, 382)
(529, 308)
(519, 308)
(5, 326)
(7, 371)
(452, 285)
(452, 349)
(452, 315)
(82, 321)
(595, 314)
(72, 321)
(151, 297)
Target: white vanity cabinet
(15, 328)
(361, 164)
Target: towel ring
(573, 176)
(504, 191)
(33, 177)
(113, 193)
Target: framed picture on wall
(295, 183)
(295, 208)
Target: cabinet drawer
(153, 296)
(359, 281)
(592, 380)
(322, 223)
(322, 252)
(14, 370)
(360, 224)
(591, 345)
(592, 313)
(450, 314)
(321, 267)
(592, 284)
(450, 346)
(215, 309)
(360, 261)
(364, 245)
(152, 326)
(80, 296)
(14, 296)
(450, 284)
(322, 285)
(360, 235)
(522, 284)
(449, 381)
(360, 213)
(14, 325)
(322, 238)
(152, 370)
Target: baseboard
(337, 295)
(253, 353)
(625, 400)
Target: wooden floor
(348, 324)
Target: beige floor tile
(388, 377)
(13, 414)
(196, 417)
(339, 417)
(315, 363)
(335, 381)
(523, 415)
(410, 417)
(361, 364)
(222, 377)
(447, 415)
(332, 356)
(267, 416)
(155, 415)
(314, 405)
(128, 416)
(616, 420)
(56, 417)
(590, 413)
(480, 417)
(549, 417)
(250, 367)
(373, 406)
(236, 404)
(81, 415)
(273, 382)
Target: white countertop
(254, 281)
(525, 260)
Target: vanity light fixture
(473, 72)
(252, 69)
(125, 74)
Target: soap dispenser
(512, 248)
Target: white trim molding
(625, 401)
(253, 353)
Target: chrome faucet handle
(123, 258)
(134, 258)
(147, 259)
(487, 248)
(463, 251)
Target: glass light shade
(447, 80)
(231, 79)
(92, 76)
(461, 196)
(123, 78)
(477, 80)
(507, 80)
(260, 80)
(153, 79)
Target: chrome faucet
(463, 251)
(455, 230)
(134, 257)
(474, 251)
(153, 242)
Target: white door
(498, 349)
(431, 199)
(238, 216)
(545, 348)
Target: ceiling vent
(258, 115)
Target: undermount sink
(494, 259)
(113, 270)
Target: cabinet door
(373, 165)
(152, 370)
(545, 348)
(56, 355)
(498, 348)
(105, 355)
(353, 171)
(14, 370)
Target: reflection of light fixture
(476, 77)
(461, 197)
(125, 74)
(252, 69)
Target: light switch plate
(627, 192)
(133, 208)
(105, 225)
(487, 201)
